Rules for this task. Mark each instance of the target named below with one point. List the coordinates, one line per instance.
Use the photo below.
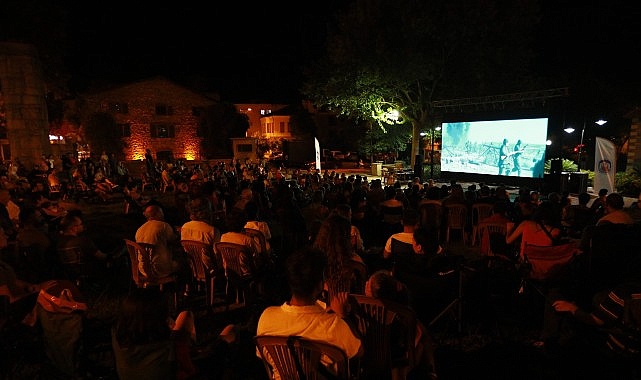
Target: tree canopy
(386, 61)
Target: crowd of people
(317, 227)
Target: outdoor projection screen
(475, 147)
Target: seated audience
(159, 233)
(614, 211)
(304, 315)
(542, 229)
(382, 285)
(410, 223)
(148, 344)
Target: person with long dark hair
(149, 344)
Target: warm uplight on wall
(190, 152)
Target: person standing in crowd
(150, 163)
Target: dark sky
(243, 53)
(249, 53)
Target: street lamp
(599, 122)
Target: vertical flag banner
(605, 163)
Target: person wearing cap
(614, 211)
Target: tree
(302, 123)
(102, 133)
(386, 61)
(218, 124)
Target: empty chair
(456, 220)
(480, 211)
(298, 358)
(148, 183)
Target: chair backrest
(73, 262)
(481, 211)
(456, 216)
(71, 255)
(142, 269)
(295, 357)
(492, 235)
(392, 215)
(236, 258)
(353, 280)
(548, 262)
(259, 239)
(201, 259)
(402, 254)
(431, 215)
(134, 250)
(378, 319)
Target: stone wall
(22, 89)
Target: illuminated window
(262, 112)
(163, 109)
(281, 127)
(53, 139)
(162, 131)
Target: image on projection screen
(498, 147)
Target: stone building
(155, 114)
(24, 125)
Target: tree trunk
(416, 143)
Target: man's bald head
(154, 212)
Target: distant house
(255, 113)
(276, 124)
(155, 114)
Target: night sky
(249, 52)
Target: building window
(202, 129)
(125, 130)
(244, 148)
(163, 131)
(270, 127)
(281, 127)
(262, 112)
(55, 139)
(164, 110)
(118, 107)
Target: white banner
(605, 164)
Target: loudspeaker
(552, 183)
(556, 166)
